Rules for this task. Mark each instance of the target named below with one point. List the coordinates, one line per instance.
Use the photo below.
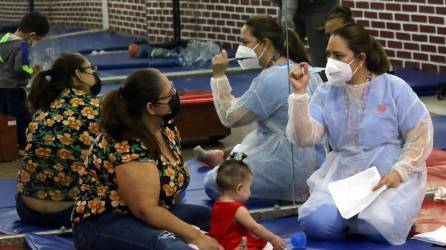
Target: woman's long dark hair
(263, 26)
(123, 109)
(48, 84)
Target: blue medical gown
(271, 156)
(392, 108)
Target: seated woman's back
(58, 138)
(58, 141)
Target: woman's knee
(324, 223)
(369, 231)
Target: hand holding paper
(353, 194)
(390, 180)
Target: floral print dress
(58, 139)
(97, 183)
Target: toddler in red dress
(230, 220)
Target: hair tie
(120, 92)
(48, 75)
(237, 156)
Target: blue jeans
(13, 102)
(30, 216)
(326, 223)
(113, 231)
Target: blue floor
(423, 83)
(7, 193)
(86, 43)
(439, 122)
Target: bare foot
(243, 244)
(210, 158)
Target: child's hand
(278, 243)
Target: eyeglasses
(94, 68)
(172, 92)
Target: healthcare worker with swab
(280, 169)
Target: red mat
(196, 97)
(437, 157)
(433, 213)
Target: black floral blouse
(58, 139)
(97, 183)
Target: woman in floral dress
(131, 183)
(61, 131)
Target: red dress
(227, 231)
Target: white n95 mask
(250, 57)
(338, 71)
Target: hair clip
(237, 156)
(120, 91)
(48, 75)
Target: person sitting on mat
(337, 17)
(270, 154)
(131, 182)
(372, 119)
(61, 131)
(230, 220)
(15, 70)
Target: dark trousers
(114, 231)
(312, 26)
(13, 102)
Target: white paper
(437, 237)
(353, 194)
(268, 246)
(440, 194)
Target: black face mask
(174, 105)
(96, 88)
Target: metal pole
(179, 74)
(31, 5)
(105, 20)
(18, 240)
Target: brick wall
(412, 31)
(12, 10)
(128, 16)
(216, 20)
(74, 13)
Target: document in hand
(353, 194)
(437, 237)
